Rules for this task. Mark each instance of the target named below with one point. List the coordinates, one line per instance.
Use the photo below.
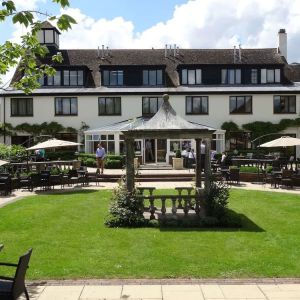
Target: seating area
(47, 179)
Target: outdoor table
(277, 176)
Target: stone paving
(187, 291)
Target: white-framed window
(231, 76)
(270, 75)
(191, 76)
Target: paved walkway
(186, 290)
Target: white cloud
(195, 24)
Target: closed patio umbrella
(53, 143)
(3, 162)
(284, 141)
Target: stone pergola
(166, 124)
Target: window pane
(117, 105)
(120, 77)
(29, 107)
(238, 76)
(153, 105)
(101, 106)
(270, 76)
(49, 37)
(66, 106)
(196, 105)
(145, 77)
(184, 76)
(224, 76)
(189, 105)
(198, 76)
(80, 77)
(57, 78)
(254, 76)
(248, 104)
(191, 77)
(58, 105)
(240, 104)
(204, 103)
(231, 76)
(49, 80)
(109, 106)
(66, 78)
(105, 77)
(73, 106)
(277, 104)
(113, 77)
(40, 36)
(145, 105)
(277, 75)
(152, 77)
(292, 104)
(263, 76)
(232, 104)
(160, 102)
(73, 77)
(14, 107)
(111, 147)
(159, 80)
(110, 137)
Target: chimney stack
(282, 43)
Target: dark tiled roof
(292, 72)
(92, 58)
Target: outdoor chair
(234, 175)
(12, 288)
(72, 177)
(26, 183)
(5, 183)
(93, 177)
(287, 178)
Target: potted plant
(177, 161)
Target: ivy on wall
(45, 128)
(260, 128)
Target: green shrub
(13, 152)
(113, 164)
(126, 209)
(178, 153)
(62, 155)
(248, 169)
(153, 223)
(216, 199)
(269, 169)
(90, 162)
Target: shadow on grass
(235, 222)
(78, 190)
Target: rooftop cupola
(49, 36)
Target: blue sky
(187, 23)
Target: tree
(26, 53)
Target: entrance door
(161, 150)
(149, 151)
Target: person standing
(100, 155)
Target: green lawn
(69, 240)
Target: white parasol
(53, 143)
(284, 141)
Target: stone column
(129, 163)
(207, 166)
(198, 163)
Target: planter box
(177, 163)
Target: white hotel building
(111, 89)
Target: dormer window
(73, 77)
(152, 77)
(191, 76)
(231, 76)
(270, 76)
(112, 77)
(64, 78)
